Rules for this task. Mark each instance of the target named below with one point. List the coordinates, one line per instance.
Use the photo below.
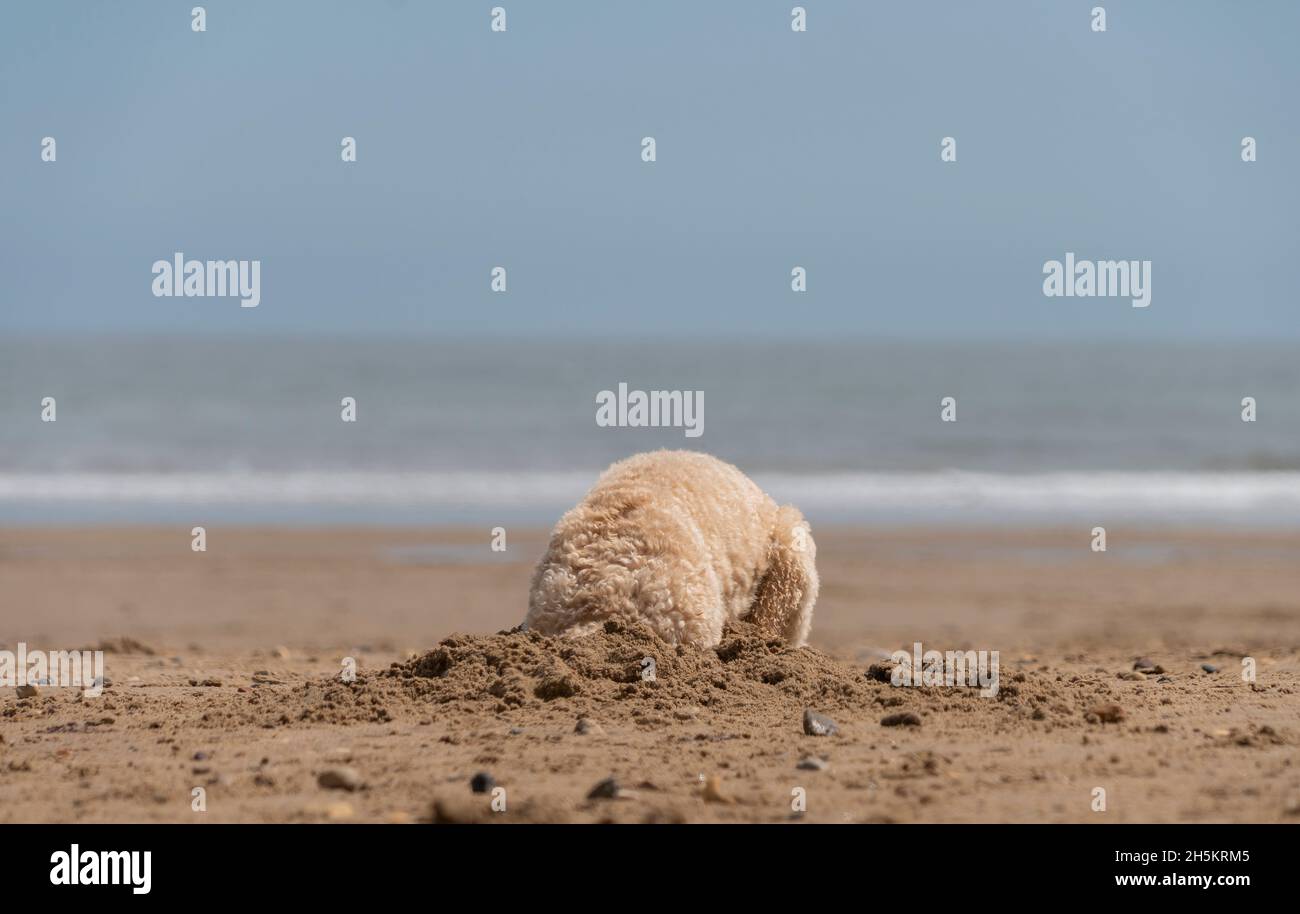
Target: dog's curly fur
(684, 542)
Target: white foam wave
(1268, 496)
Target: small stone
(812, 763)
(713, 793)
(27, 691)
(901, 719)
(1164, 679)
(1131, 676)
(201, 756)
(815, 724)
(482, 782)
(1143, 663)
(607, 789)
(342, 778)
(455, 811)
(881, 672)
(1209, 667)
(588, 727)
(1107, 714)
(339, 810)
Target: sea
(474, 431)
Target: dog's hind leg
(784, 598)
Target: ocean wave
(1147, 493)
(1234, 496)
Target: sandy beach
(224, 674)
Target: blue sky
(775, 149)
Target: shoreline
(1264, 498)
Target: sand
(225, 667)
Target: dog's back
(678, 539)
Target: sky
(775, 149)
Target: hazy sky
(775, 149)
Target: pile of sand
(626, 663)
(624, 668)
(626, 674)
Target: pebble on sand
(588, 727)
(815, 724)
(901, 719)
(27, 691)
(713, 792)
(1209, 667)
(453, 811)
(881, 672)
(482, 782)
(607, 789)
(812, 763)
(340, 810)
(343, 778)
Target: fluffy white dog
(683, 542)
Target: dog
(684, 543)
